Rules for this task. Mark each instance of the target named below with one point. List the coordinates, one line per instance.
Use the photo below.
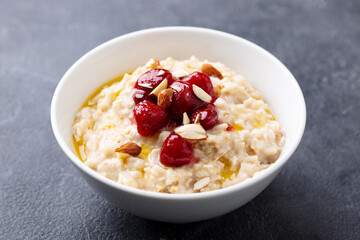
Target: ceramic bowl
(122, 54)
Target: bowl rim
(261, 175)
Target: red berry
(172, 124)
(176, 151)
(230, 127)
(150, 118)
(183, 100)
(148, 82)
(208, 116)
(201, 80)
(140, 95)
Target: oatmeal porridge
(177, 127)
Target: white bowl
(113, 58)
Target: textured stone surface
(316, 196)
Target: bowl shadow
(268, 216)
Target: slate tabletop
(316, 196)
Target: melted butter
(146, 149)
(98, 91)
(116, 95)
(269, 112)
(110, 126)
(141, 170)
(226, 173)
(258, 121)
(88, 103)
(123, 156)
(77, 147)
(237, 127)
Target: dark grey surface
(316, 196)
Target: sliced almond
(192, 132)
(180, 73)
(210, 70)
(161, 86)
(165, 97)
(197, 119)
(153, 63)
(129, 148)
(186, 119)
(201, 183)
(201, 94)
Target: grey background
(316, 196)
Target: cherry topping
(201, 80)
(230, 127)
(172, 124)
(150, 118)
(148, 82)
(183, 100)
(176, 151)
(141, 95)
(208, 116)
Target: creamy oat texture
(226, 157)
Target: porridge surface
(225, 157)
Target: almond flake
(197, 119)
(161, 86)
(129, 148)
(192, 132)
(180, 73)
(165, 98)
(153, 63)
(186, 119)
(201, 94)
(210, 70)
(201, 183)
